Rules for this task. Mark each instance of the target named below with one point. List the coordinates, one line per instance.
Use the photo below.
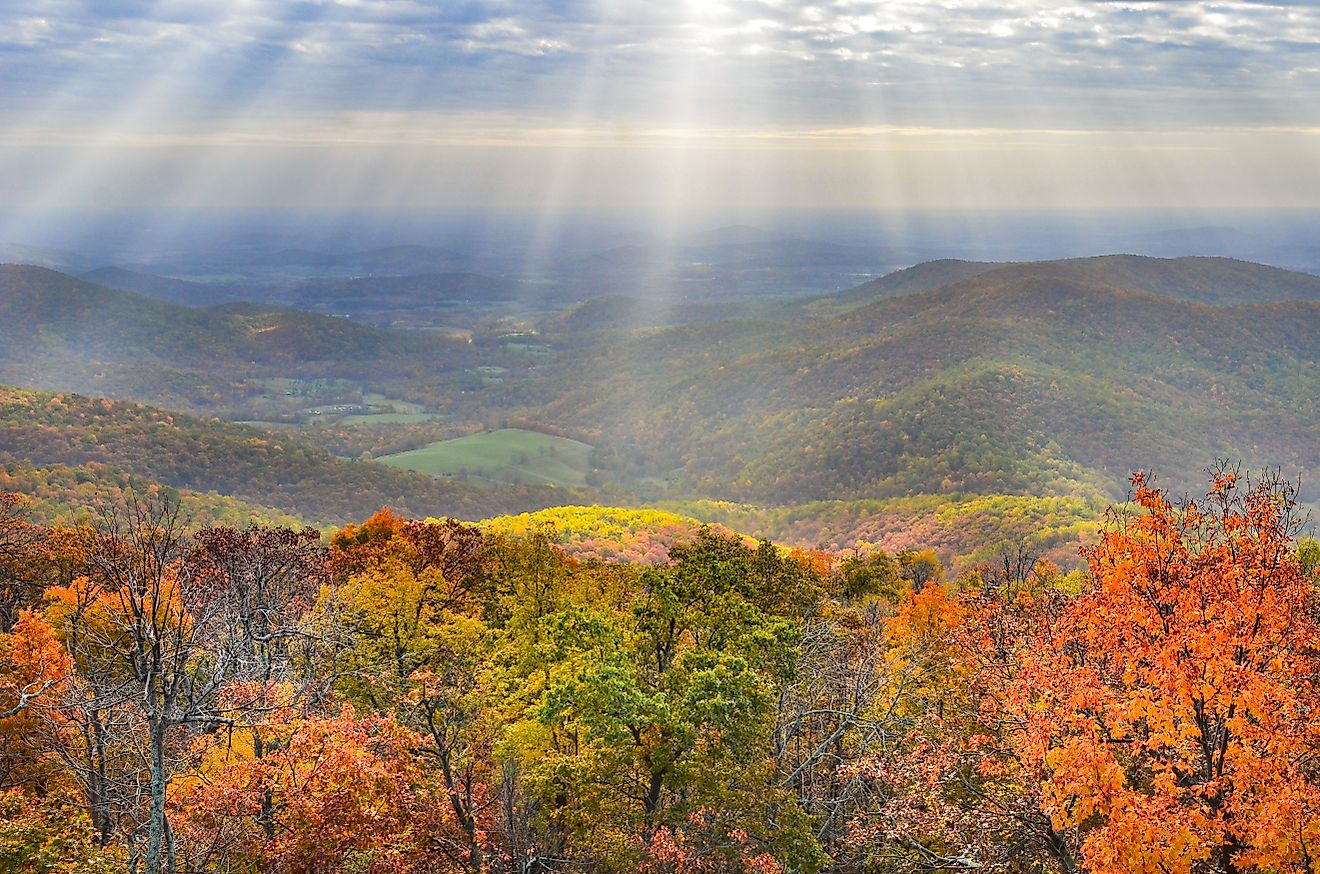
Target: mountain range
(960, 381)
(1054, 376)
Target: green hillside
(207, 455)
(62, 495)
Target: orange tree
(342, 793)
(950, 787)
(1173, 705)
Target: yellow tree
(411, 597)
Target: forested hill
(160, 287)
(48, 312)
(1223, 281)
(1034, 379)
(207, 455)
(1028, 379)
(60, 494)
(912, 280)
(59, 332)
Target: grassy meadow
(508, 455)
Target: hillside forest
(873, 416)
(776, 560)
(428, 696)
(679, 437)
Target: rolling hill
(166, 288)
(1221, 281)
(47, 311)
(1045, 378)
(208, 455)
(963, 380)
(62, 333)
(63, 495)
(925, 276)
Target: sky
(660, 108)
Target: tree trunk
(156, 822)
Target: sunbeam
(659, 436)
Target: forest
(624, 437)
(430, 696)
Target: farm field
(508, 455)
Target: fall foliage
(428, 696)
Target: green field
(509, 455)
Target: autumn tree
(1173, 704)
(169, 640)
(919, 567)
(956, 787)
(836, 709)
(34, 667)
(412, 596)
(50, 835)
(19, 540)
(264, 583)
(859, 576)
(342, 792)
(655, 728)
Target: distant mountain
(390, 261)
(59, 332)
(749, 250)
(727, 235)
(740, 264)
(59, 259)
(408, 260)
(293, 257)
(47, 311)
(911, 280)
(1220, 281)
(165, 288)
(1045, 378)
(1223, 281)
(401, 293)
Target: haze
(662, 112)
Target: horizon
(743, 109)
(510, 241)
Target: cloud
(623, 59)
(635, 77)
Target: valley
(959, 404)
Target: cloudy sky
(658, 106)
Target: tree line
(420, 696)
